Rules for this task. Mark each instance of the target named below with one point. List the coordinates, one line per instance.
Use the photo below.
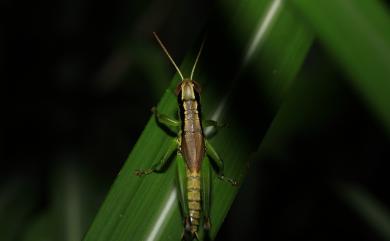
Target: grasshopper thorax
(188, 89)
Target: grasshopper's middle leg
(213, 123)
(158, 166)
(219, 163)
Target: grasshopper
(194, 153)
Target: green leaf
(147, 208)
(73, 200)
(357, 34)
(18, 199)
(375, 213)
(42, 228)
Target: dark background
(77, 91)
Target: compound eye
(178, 89)
(197, 87)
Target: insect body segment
(193, 197)
(192, 155)
(192, 140)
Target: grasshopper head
(188, 89)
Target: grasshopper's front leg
(219, 163)
(159, 166)
(166, 120)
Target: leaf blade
(134, 206)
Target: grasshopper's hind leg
(219, 163)
(159, 166)
(182, 183)
(206, 189)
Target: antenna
(197, 57)
(169, 56)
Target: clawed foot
(207, 224)
(232, 181)
(141, 173)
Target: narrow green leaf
(72, 202)
(42, 228)
(71, 208)
(358, 35)
(375, 213)
(18, 199)
(147, 208)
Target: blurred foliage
(306, 86)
